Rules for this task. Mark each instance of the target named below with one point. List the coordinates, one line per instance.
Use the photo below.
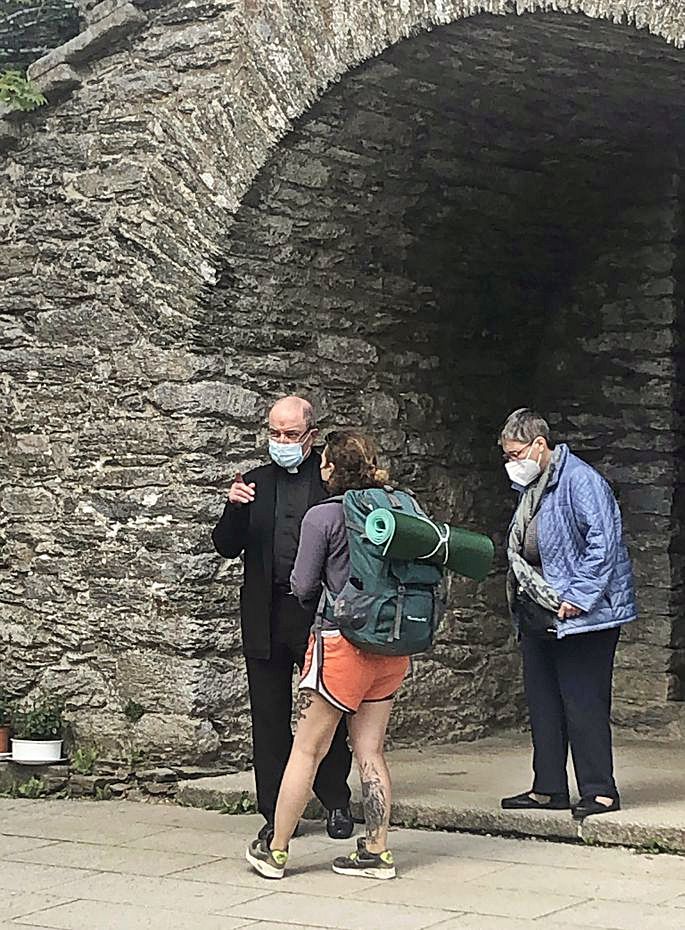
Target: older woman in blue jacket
(570, 590)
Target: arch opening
(484, 217)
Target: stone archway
(474, 220)
(126, 415)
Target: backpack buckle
(396, 633)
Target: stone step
(458, 788)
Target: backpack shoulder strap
(408, 495)
(326, 600)
(337, 499)
(393, 498)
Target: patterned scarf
(521, 573)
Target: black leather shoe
(526, 802)
(339, 823)
(267, 832)
(588, 806)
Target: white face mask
(525, 471)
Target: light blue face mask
(288, 455)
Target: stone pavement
(459, 787)
(121, 865)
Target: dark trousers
(568, 689)
(270, 683)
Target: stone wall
(413, 218)
(677, 549)
(30, 28)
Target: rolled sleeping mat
(414, 538)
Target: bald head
(292, 420)
(293, 408)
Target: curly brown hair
(356, 462)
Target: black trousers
(270, 683)
(568, 689)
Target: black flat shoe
(525, 802)
(339, 823)
(586, 807)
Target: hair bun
(382, 475)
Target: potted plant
(5, 723)
(38, 732)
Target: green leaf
(18, 92)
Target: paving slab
(483, 897)
(110, 858)
(324, 912)
(610, 860)
(624, 916)
(446, 880)
(16, 844)
(79, 914)
(25, 903)
(486, 922)
(609, 887)
(679, 901)
(270, 925)
(13, 926)
(87, 829)
(459, 787)
(219, 843)
(27, 876)
(191, 896)
(221, 871)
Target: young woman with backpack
(337, 678)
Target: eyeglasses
(517, 453)
(288, 435)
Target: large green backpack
(388, 606)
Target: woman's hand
(567, 610)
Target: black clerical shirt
(292, 498)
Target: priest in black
(262, 520)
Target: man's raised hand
(241, 493)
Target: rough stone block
(620, 831)
(103, 10)
(175, 737)
(645, 686)
(58, 81)
(156, 775)
(209, 398)
(100, 36)
(27, 501)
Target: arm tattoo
(374, 801)
(304, 702)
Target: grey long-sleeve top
(323, 554)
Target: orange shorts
(346, 676)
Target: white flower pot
(36, 750)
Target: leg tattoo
(374, 801)
(304, 702)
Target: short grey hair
(309, 415)
(524, 425)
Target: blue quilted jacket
(583, 555)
